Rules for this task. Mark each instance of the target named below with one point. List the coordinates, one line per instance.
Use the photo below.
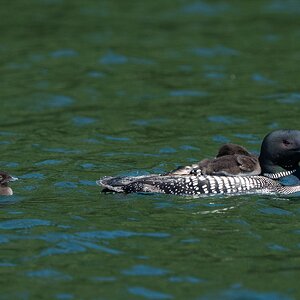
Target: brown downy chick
(5, 178)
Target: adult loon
(5, 178)
(279, 156)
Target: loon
(5, 178)
(279, 156)
(231, 159)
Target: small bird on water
(5, 178)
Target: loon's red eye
(286, 142)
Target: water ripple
(87, 182)
(114, 138)
(130, 154)
(64, 296)
(143, 122)
(64, 53)
(64, 247)
(275, 211)
(226, 120)
(167, 150)
(276, 247)
(112, 58)
(81, 121)
(66, 243)
(237, 293)
(143, 270)
(7, 264)
(96, 74)
(120, 234)
(7, 133)
(189, 279)
(3, 239)
(63, 150)
(247, 136)
(48, 273)
(148, 294)
(66, 184)
(190, 241)
(104, 278)
(9, 164)
(32, 176)
(214, 51)
(204, 8)
(58, 101)
(88, 165)
(188, 93)
(189, 148)
(286, 98)
(100, 248)
(262, 79)
(221, 139)
(23, 223)
(284, 6)
(214, 75)
(49, 162)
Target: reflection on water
(99, 88)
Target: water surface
(95, 88)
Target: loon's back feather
(195, 185)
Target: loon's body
(280, 155)
(192, 185)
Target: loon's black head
(280, 149)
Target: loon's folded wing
(187, 184)
(195, 185)
(154, 183)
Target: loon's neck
(297, 173)
(268, 166)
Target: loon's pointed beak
(13, 179)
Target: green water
(95, 88)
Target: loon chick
(5, 178)
(280, 152)
(231, 159)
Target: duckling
(5, 178)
